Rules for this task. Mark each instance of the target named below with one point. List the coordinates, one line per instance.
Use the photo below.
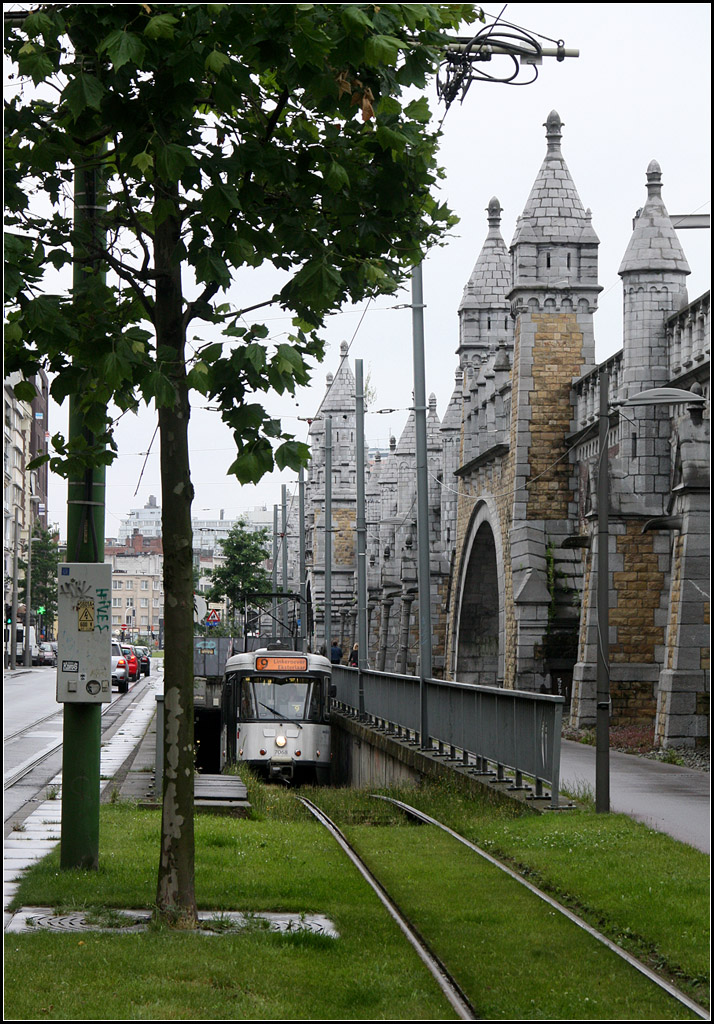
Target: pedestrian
(336, 653)
(354, 657)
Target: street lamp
(653, 396)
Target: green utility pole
(79, 838)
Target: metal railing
(478, 726)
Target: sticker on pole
(85, 616)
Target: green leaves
(25, 391)
(123, 47)
(383, 49)
(161, 26)
(82, 92)
(214, 137)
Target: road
(32, 727)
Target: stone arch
(480, 623)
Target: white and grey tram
(275, 714)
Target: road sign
(213, 618)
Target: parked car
(144, 657)
(120, 672)
(45, 655)
(132, 661)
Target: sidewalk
(41, 830)
(664, 796)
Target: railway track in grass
(448, 985)
(454, 992)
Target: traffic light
(41, 610)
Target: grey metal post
(159, 776)
(328, 534)
(284, 604)
(28, 599)
(13, 624)
(362, 659)
(275, 571)
(602, 720)
(425, 654)
(303, 580)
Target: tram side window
(314, 711)
(247, 701)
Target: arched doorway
(480, 623)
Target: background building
(512, 473)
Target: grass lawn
(163, 975)
(515, 957)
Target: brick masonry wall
(344, 536)
(639, 591)
(557, 360)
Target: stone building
(512, 478)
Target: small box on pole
(84, 640)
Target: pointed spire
(654, 244)
(341, 387)
(490, 279)
(452, 416)
(554, 210)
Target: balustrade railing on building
(488, 729)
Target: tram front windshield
(271, 698)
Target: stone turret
(484, 313)
(653, 271)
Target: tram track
(14, 777)
(449, 986)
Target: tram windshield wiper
(283, 718)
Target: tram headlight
(280, 741)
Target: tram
(275, 711)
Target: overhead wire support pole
(602, 718)
(328, 535)
(303, 576)
(284, 604)
(275, 565)
(81, 724)
(424, 581)
(362, 662)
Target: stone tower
(339, 404)
(554, 297)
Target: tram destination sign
(274, 664)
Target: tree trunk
(175, 898)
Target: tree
(245, 552)
(207, 139)
(43, 582)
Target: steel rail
(444, 979)
(28, 728)
(628, 957)
(20, 773)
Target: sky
(638, 91)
